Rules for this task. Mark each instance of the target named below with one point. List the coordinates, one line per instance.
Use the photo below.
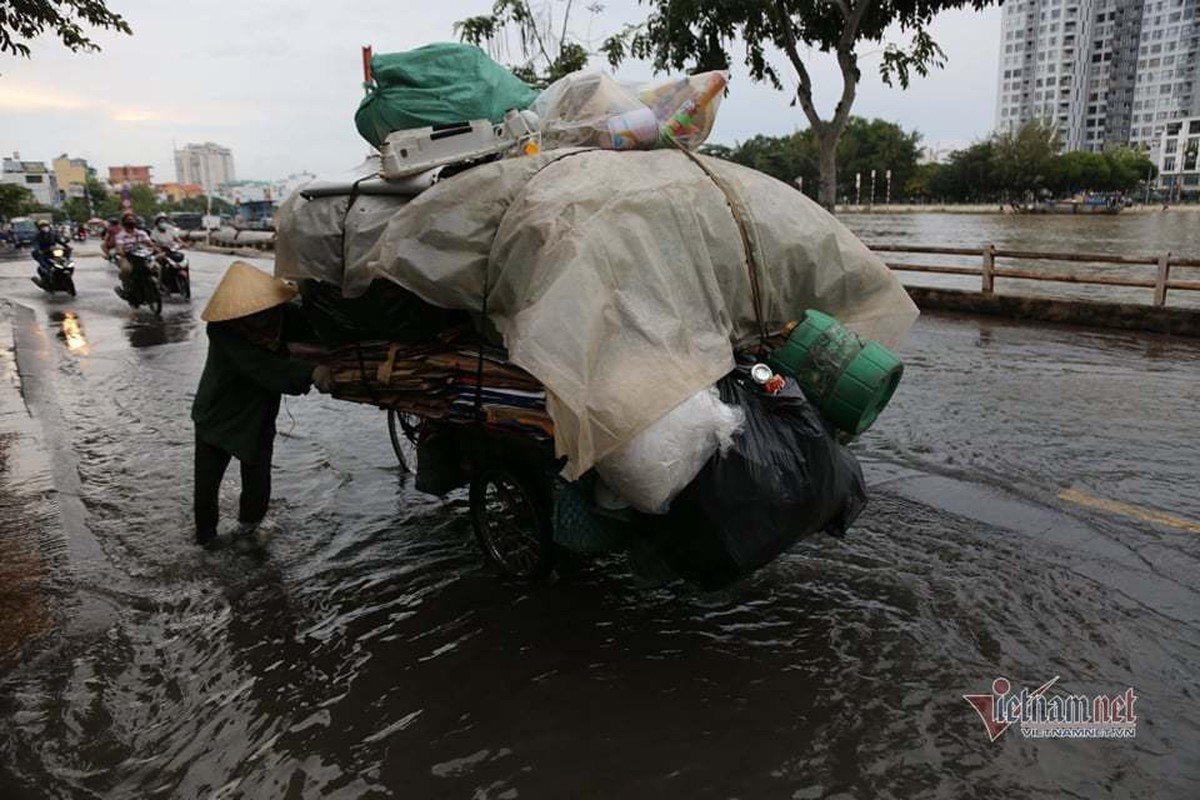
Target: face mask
(162, 226)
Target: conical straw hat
(245, 290)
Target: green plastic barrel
(850, 381)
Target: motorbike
(174, 272)
(143, 287)
(62, 271)
(81, 235)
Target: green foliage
(700, 34)
(547, 55)
(1024, 165)
(14, 200)
(865, 145)
(22, 20)
(76, 208)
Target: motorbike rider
(110, 237)
(128, 237)
(165, 234)
(45, 241)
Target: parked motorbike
(62, 272)
(143, 287)
(174, 272)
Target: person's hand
(322, 378)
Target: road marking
(1128, 510)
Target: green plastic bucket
(850, 381)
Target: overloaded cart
(618, 344)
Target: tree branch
(804, 92)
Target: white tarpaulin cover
(621, 281)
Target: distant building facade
(72, 175)
(174, 192)
(208, 165)
(285, 186)
(237, 192)
(1179, 158)
(131, 174)
(1102, 71)
(34, 176)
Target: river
(1131, 233)
(364, 651)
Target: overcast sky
(278, 81)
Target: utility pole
(889, 188)
(858, 188)
(872, 203)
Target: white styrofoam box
(419, 149)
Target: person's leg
(124, 272)
(211, 462)
(43, 266)
(256, 481)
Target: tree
(22, 20)
(548, 55)
(76, 208)
(1023, 158)
(698, 34)
(867, 145)
(14, 200)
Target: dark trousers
(44, 265)
(211, 462)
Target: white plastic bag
(652, 468)
(592, 109)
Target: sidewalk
(28, 511)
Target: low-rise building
(1178, 157)
(174, 192)
(72, 175)
(34, 176)
(133, 175)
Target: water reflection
(70, 331)
(154, 331)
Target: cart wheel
(510, 513)
(402, 430)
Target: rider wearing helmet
(164, 233)
(45, 241)
(127, 238)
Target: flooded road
(1033, 514)
(1130, 233)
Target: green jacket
(240, 390)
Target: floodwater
(1129, 234)
(365, 652)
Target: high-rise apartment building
(1103, 71)
(208, 165)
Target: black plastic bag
(786, 476)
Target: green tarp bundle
(438, 84)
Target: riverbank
(989, 208)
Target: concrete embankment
(1121, 316)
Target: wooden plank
(1066, 277)
(1160, 280)
(937, 268)
(946, 251)
(1038, 255)
(989, 267)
